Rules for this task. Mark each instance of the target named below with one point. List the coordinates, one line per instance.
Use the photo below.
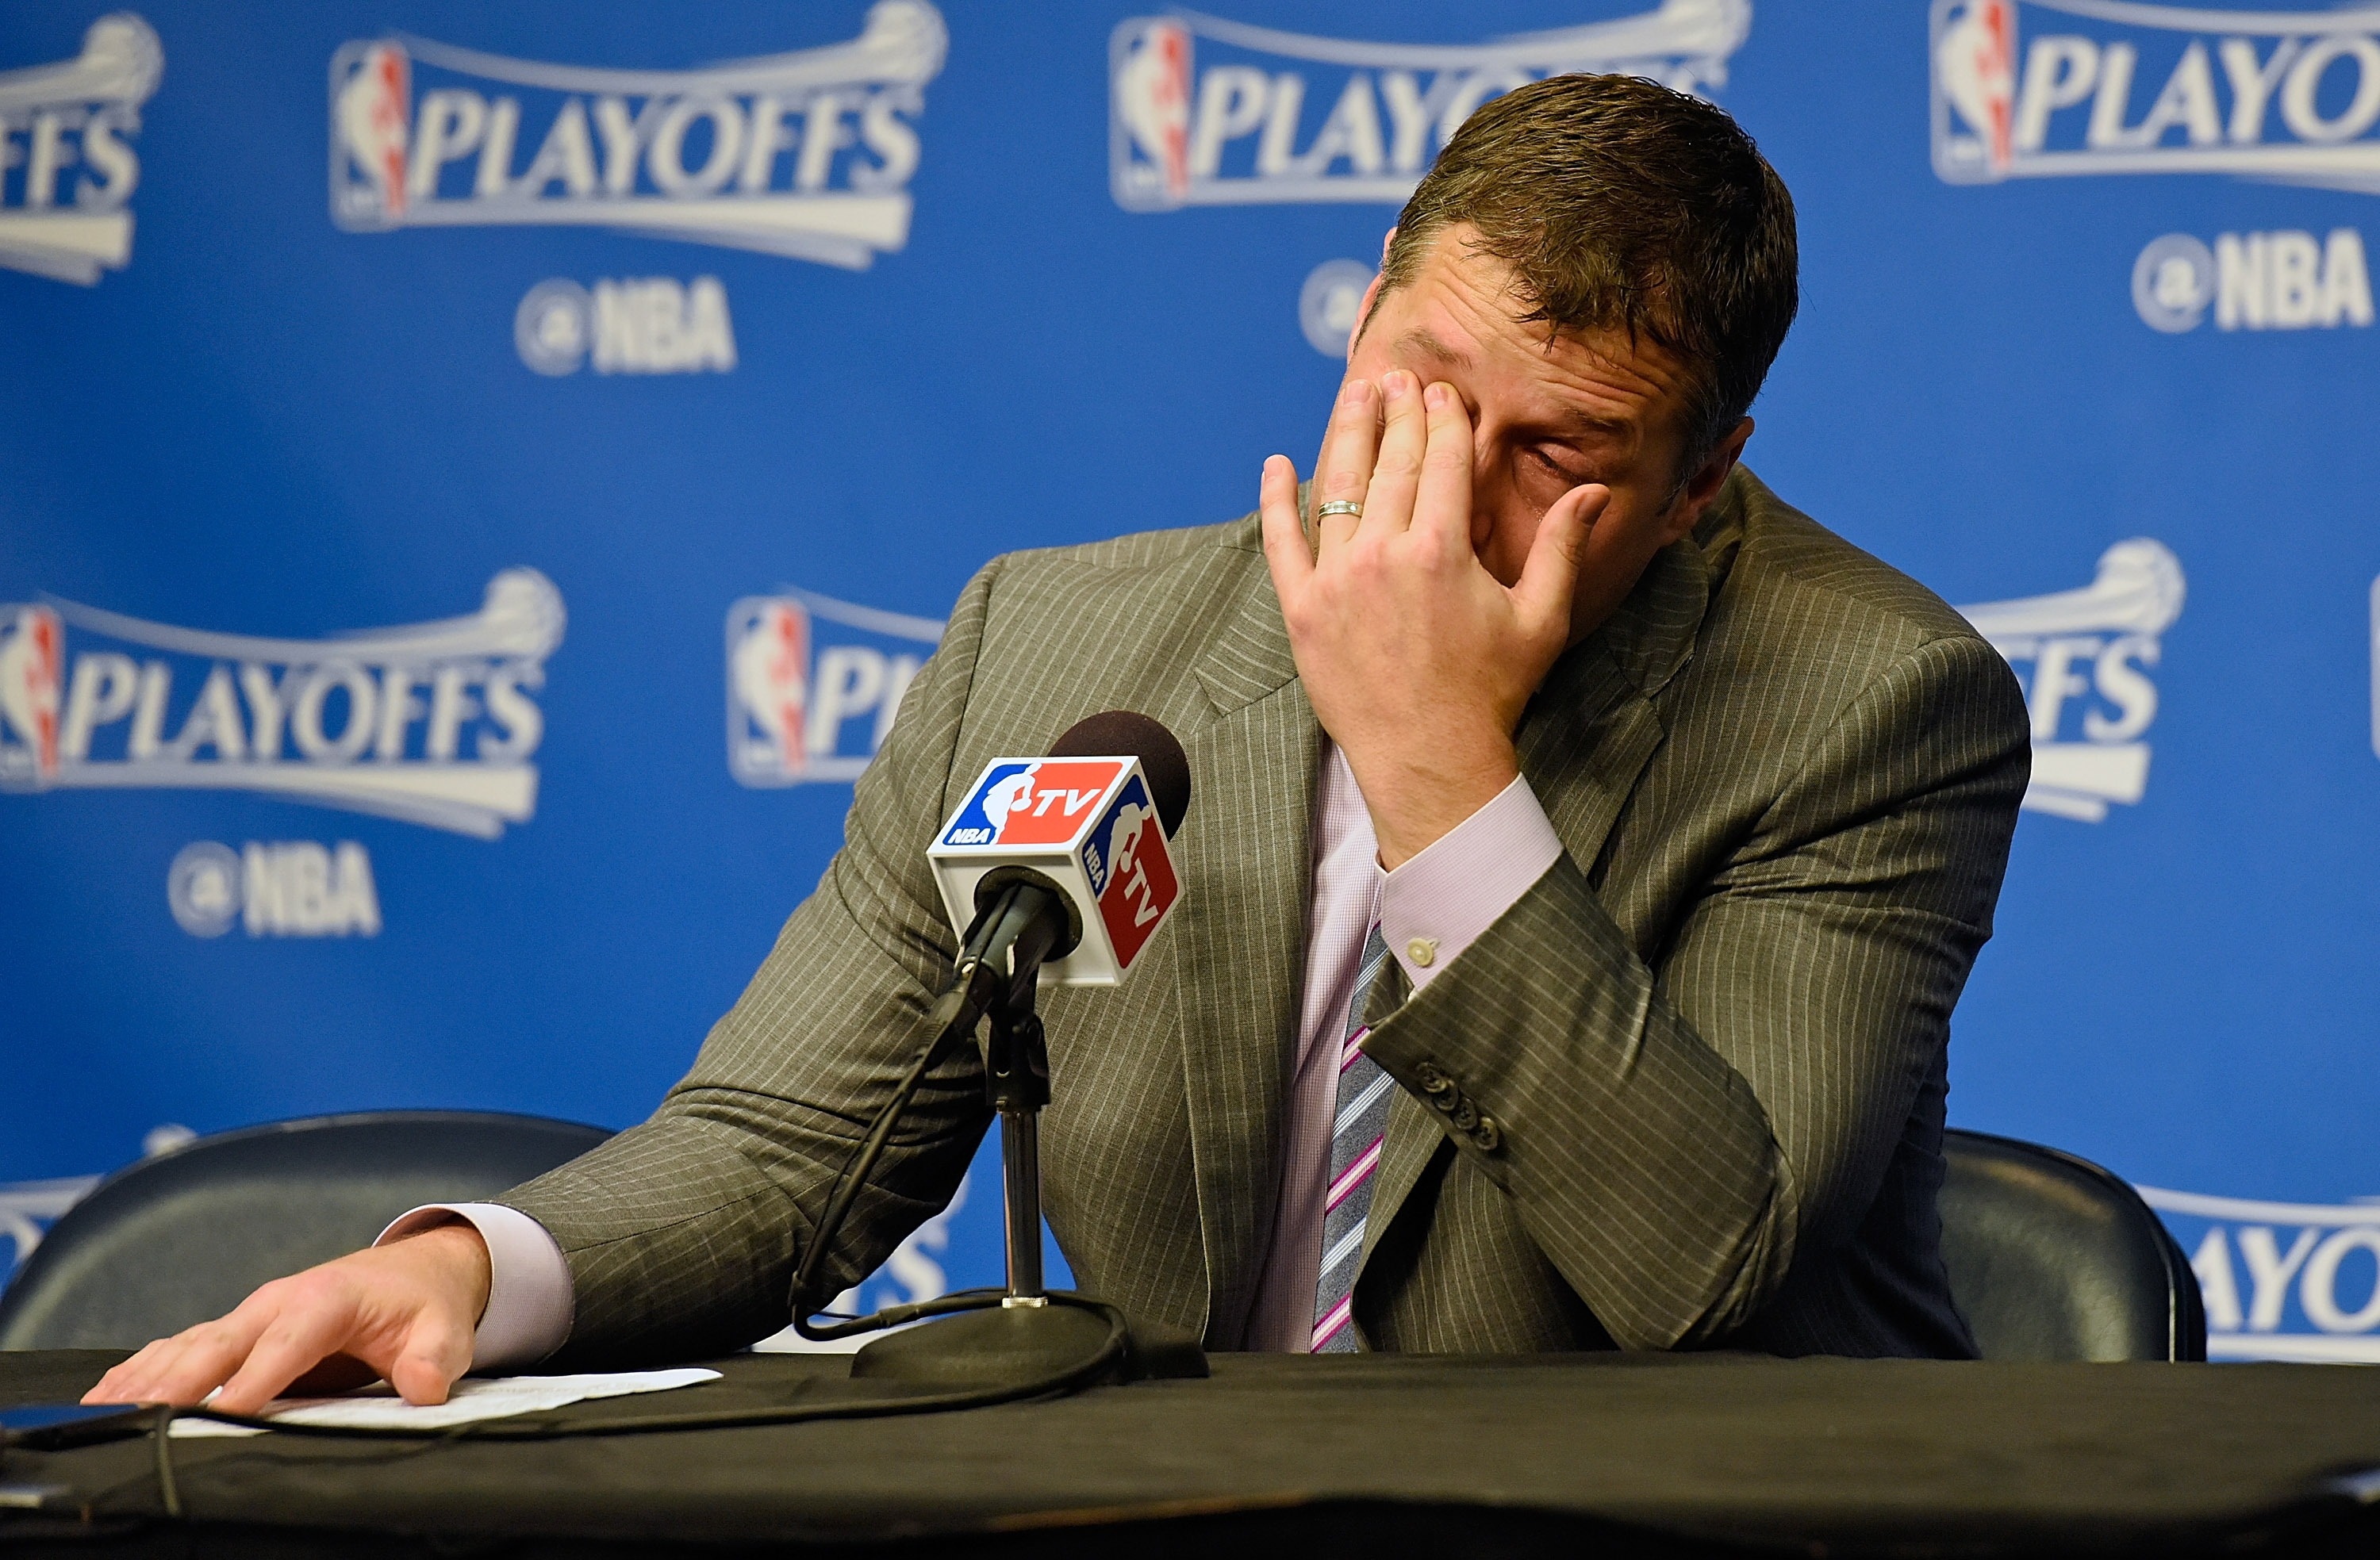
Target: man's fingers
(1284, 537)
(301, 1337)
(188, 1366)
(1344, 469)
(409, 1311)
(1443, 504)
(122, 1384)
(1405, 439)
(204, 1355)
(1549, 579)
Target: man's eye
(1558, 469)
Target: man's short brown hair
(1623, 205)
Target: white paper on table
(379, 1407)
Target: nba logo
(1152, 101)
(770, 669)
(371, 108)
(1974, 67)
(813, 684)
(31, 655)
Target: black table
(1340, 1454)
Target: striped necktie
(1356, 1136)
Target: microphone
(1058, 867)
(1055, 869)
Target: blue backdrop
(423, 422)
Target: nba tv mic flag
(1092, 820)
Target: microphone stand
(1025, 1337)
(1017, 1069)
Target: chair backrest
(2053, 1258)
(174, 1240)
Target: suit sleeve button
(1466, 1116)
(1487, 1135)
(1432, 1079)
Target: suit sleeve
(682, 1234)
(1672, 1134)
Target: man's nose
(1490, 479)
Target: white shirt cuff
(1438, 904)
(529, 1298)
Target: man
(1652, 828)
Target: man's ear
(1363, 313)
(1705, 484)
(1371, 295)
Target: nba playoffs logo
(2282, 1280)
(2031, 87)
(813, 684)
(2090, 652)
(807, 154)
(432, 724)
(66, 162)
(28, 1208)
(1205, 112)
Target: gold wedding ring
(1339, 506)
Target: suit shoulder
(1820, 623)
(1161, 592)
(1141, 551)
(1789, 568)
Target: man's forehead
(1592, 387)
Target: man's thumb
(432, 1362)
(1550, 578)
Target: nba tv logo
(1205, 112)
(813, 684)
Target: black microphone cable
(1011, 907)
(951, 1019)
(1097, 1368)
(545, 1427)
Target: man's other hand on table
(406, 1312)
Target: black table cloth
(1365, 1454)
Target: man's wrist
(525, 1301)
(1437, 904)
(1417, 799)
(458, 1241)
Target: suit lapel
(1247, 873)
(1583, 742)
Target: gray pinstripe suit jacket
(1711, 1038)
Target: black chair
(2050, 1257)
(2053, 1258)
(175, 1240)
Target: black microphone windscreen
(1162, 758)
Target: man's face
(1548, 416)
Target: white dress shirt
(1430, 909)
